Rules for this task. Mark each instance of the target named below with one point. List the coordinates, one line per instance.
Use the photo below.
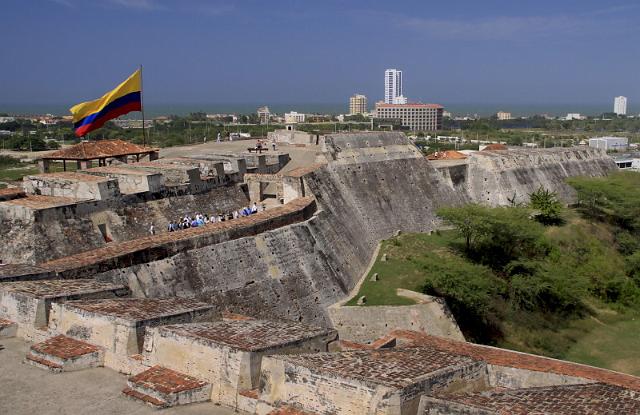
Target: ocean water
(461, 109)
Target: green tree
(469, 220)
(547, 206)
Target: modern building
(610, 143)
(357, 104)
(417, 117)
(628, 161)
(392, 85)
(502, 115)
(620, 105)
(264, 115)
(293, 117)
(574, 116)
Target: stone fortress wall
(158, 307)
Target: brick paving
(503, 357)
(139, 309)
(59, 288)
(115, 250)
(392, 367)
(165, 380)
(64, 347)
(249, 335)
(594, 398)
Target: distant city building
(610, 143)
(293, 117)
(130, 124)
(574, 116)
(357, 104)
(446, 114)
(392, 85)
(6, 119)
(628, 161)
(620, 105)
(502, 115)
(400, 100)
(264, 115)
(417, 117)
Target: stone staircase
(160, 387)
(64, 354)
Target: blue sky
(197, 51)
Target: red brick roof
(509, 358)
(446, 155)
(89, 150)
(492, 147)
(594, 398)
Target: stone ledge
(155, 247)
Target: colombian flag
(91, 115)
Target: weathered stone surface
(386, 381)
(228, 354)
(62, 353)
(596, 398)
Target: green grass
(16, 171)
(606, 337)
(612, 341)
(403, 268)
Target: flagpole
(142, 109)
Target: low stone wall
(364, 324)
(131, 180)
(72, 185)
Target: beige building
(357, 104)
(502, 115)
(264, 115)
(418, 117)
(293, 117)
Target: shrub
(547, 205)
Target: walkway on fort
(166, 244)
(27, 390)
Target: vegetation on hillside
(536, 278)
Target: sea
(457, 109)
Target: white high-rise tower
(620, 105)
(392, 86)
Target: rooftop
(508, 358)
(446, 155)
(392, 367)
(42, 202)
(594, 398)
(249, 335)
(16, 270)
(139, 309)
(69, 176)
(120, 170)
(89, 150)
(58, 288)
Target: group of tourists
(199, 219)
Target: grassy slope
(607, 338)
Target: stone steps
(161, 388)
(64, 354)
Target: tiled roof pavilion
(86, 151)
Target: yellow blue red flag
(125, 98)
